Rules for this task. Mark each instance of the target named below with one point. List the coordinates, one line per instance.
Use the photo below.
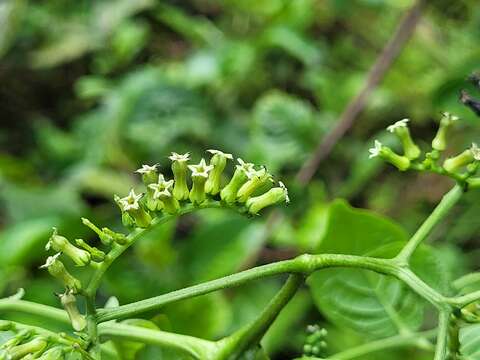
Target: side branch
(29, 307)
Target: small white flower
(247, 168)
(398, 124)
(282, 185)
(221, 153)
(162, 187)
(130, 202)
(179, 157)
(375, 151)
(145, 169)
(50, 261)
(201, 169)
(475, 151)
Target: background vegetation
(92, 89)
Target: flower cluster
(460, 167)
(315, 344)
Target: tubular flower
(271, 197)
(37, 344)
(463, 159)
(61, 244)
(56, 268)
(199, 177)
(149, 173)
(257, 181)
(400, 128)
(218, 161)
(131, 205)
(387, 154)
(69, 302)
(440, 141)
(243, 172)
(162, 193)
(179, 169)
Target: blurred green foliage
(92, 89)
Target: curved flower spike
(257, 181)
(387, 154)
(199, 177)
(61, 244)
(271, 197)
(179, 169)
(463, 159)
(131, 205)
(440, 141)
(218, 161)
(243, 172)
(69, 302)
(56, 268)
(400, 128)
(149, 173)
(162, 193)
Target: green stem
(466, 280)
(442, 337)
(438, 214)
(198, 348)
(419, 340)
(249, 336)
(29, 307)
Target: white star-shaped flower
(179, 157)
(375, 151)
(162, 187)
(50, 261)
(201, 169)
(475, 151)
(282, 185)
(247, 168)
(398, 124)
(145, 169)
(221, 153)
(130, 202)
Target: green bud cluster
(315, 344)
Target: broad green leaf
(470, 342)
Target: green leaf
(129, 349)
(470, 342)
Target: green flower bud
(53, 354)
(162, 193)
(38, 344)
(19, 338)
(439, 142)
(271, 197)
(127, 220)
(387, 154)
(131, 205)
(218, 161)
(119, 238)
(69, 302)
(199, 177)
(179, 169)
(258, 180)
(97, 254)
(243, 172)
(61, 244)
(104, 238)
(56, 268)
(463, 159)
(149, 174)
(410, 149)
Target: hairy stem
(438, 214)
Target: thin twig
(390, 52)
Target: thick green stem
(442, 209)
(249, 336)
(198, 348)
(442, 336)
(29, 307)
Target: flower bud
(199, 177)
(258, 180)
(104, 238)
(19, 338)
(69, 302)
(243, 172)
(179, 169)
(162, 193)
(131, 205)
(218, 161)
(387, 154)
(127, 220)
(61, 244)
(21, 351)
(56, 268)
(119, 238)
(53, 354)
(440, 140)
(149, 174)
(271, 197)
(463, 159)
(410, 149)
(97, 254)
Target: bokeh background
(90, 90)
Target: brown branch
(390, 52)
